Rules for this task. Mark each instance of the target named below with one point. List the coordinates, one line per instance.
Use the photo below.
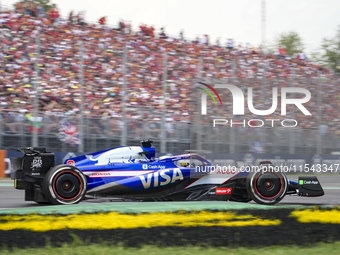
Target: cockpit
(192, 161)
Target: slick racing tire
(267, 187)
(64, 185)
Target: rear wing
(33, 166)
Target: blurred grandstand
(107, 70)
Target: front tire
(267, 187)
(64, 185)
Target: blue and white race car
(134, 173)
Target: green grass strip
(322, 248)
(141, 207)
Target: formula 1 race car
(133, 173)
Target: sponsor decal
(301, 182)
(155, 167)
(36, 163)
(223, 191)
(70, 162)
(161, 178)
(115, 173)
(101, 174)
(146, 166)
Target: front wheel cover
(64, 184)
(267, 187)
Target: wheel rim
(67, 186)
(268, 185)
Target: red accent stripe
(212, 90)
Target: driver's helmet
(184, 163)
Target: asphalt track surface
(11, 198)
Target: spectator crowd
(59, 61)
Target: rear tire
(64, 185)
(267, 187)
